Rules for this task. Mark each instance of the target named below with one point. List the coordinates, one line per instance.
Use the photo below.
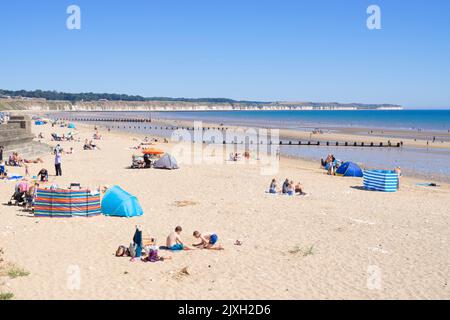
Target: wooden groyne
(140, 120)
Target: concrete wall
(16, 136)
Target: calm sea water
(429, 120)
(431, 164)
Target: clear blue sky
(243, 49)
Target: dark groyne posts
(371, 144)
(141, 120)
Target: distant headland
(39, 100)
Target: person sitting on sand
(15, 160)
(87, 146)
(290, 188)
(284, 188)
(273, 186)
(3, 173)
(43, 175)
(299, 188)
(174, 241)
(97, 136)
(208, 240)
(93, 146)
(330, 164)
(31, 194)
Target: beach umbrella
(153, 151)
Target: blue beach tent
(71, 126)
(349, 169)
(118, 202)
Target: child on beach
(208, 240)
(174, 242)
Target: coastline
(345, 228)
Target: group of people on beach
(330, 164)
(234, 156)
(25, 193)
(15, 160)
(288, 188)
(145, 248)
(90, 145)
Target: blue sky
(243, 49)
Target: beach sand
(339, 242)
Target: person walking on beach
(1, 153)
(58, 163)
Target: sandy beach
(338, 242)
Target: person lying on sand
(37, 160)
(208, 240)
(174, 241)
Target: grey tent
(167, 161)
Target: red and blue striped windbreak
(62, 203)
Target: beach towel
(427, 184)
(15, 178)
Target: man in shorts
(174, 241)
